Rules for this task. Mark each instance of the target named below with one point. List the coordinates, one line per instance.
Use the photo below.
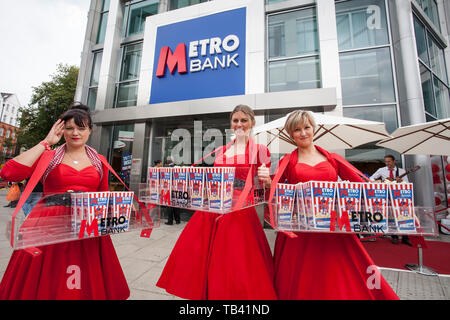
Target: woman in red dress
(225, 256)
(82, 269)
(322, 266)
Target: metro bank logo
(200, 58)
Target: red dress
(51, 275)
(222, 256)
(324, 266)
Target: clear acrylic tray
(55, 220)
(215, 189)
(367, 208)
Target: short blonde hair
(299, 117)
(245, 109)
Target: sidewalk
(143, 260)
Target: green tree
(48, 101)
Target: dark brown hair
(80, 113)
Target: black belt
(64, 199)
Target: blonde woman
(225, 256)
(320, 265)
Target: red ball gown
(51, 275)
(324, 266)
(221, 257)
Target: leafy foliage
(48, 101)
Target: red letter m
(89, 228)
(172, 60)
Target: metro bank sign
(200, 58)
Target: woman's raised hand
(55, 133)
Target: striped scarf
(59, 155)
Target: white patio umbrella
(332, 133)
(430, 138)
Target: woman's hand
(264, 174)
(55, 133)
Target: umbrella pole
(420, 268)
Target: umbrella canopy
(332, 133)
(431, 138)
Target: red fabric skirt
(81, 269)
(321, 266)
(220, 257)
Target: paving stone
(414, 286)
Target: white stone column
(329, 51)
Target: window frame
(297, 57)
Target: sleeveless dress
(222, 256)
(324, 266)
(53, 274)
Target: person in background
(33, 198)
(391, 172)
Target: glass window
(366, 77)
(427, 90)
(2, 130)
(437, 61)
(105, 6)
(176, 4)
(92, 98)
(431, 10)
(96, 69)
(274, 1)
(433, 74)
(127, 87)
(294, 61)
(137, 13)
(103, 22)
(361, 24)
(421, 41)
(294, 74)
(131, 62)
(117, 146)
(386, 114)
(293, 33)
(102, 28)
(441, 93)
(126, 95)
(93, 83)
(369, 157)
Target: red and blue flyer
(376, 203)
(121, 203)
(220, 187)
(153, 184)
(165, 186)
(197, 187)
(285, 197)
(402, 196)
(180, 187)
(321, 202)
(349, 196)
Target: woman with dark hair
(226, 256)
(82, 269)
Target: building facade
(162, 76)
(9, 117)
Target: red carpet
(389, 255)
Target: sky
(37, 35)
